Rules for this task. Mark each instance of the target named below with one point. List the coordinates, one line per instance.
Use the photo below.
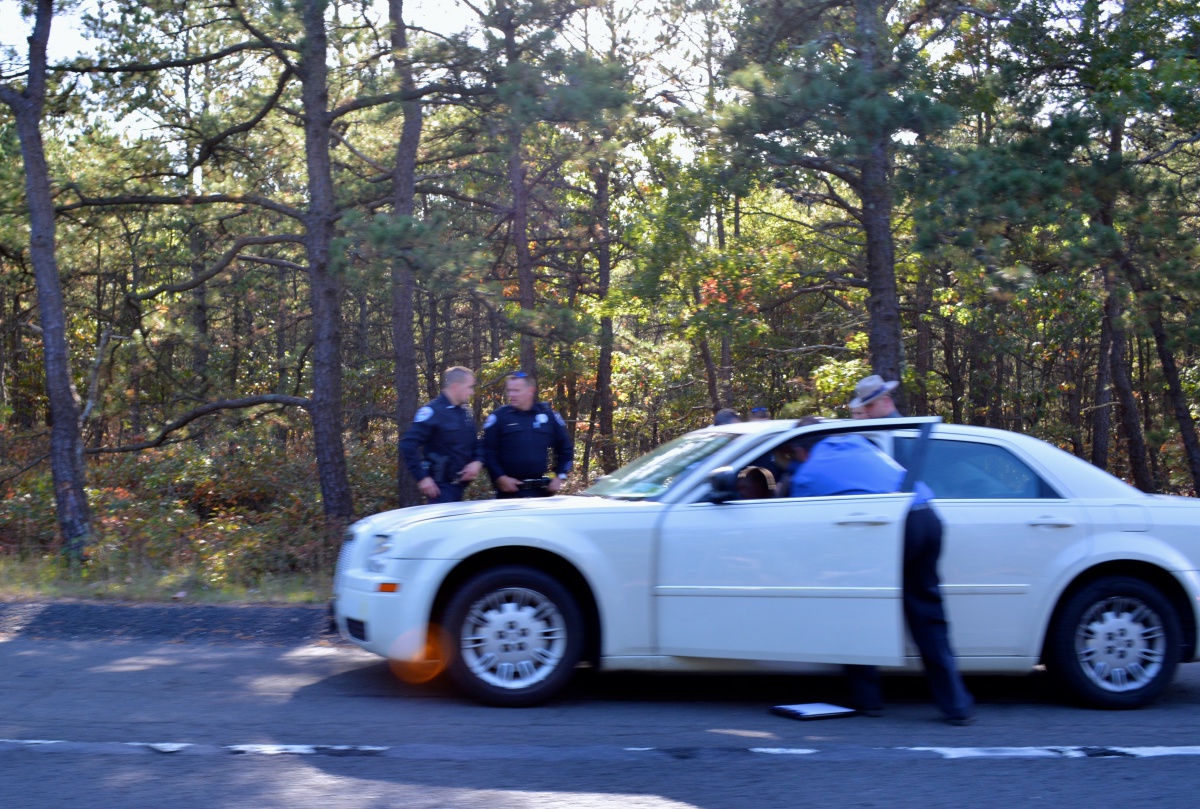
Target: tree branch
(166, 63)
(187, 199)
(276, 262)
(231, 255)
(209, 146)
(1175, 144)
(199, 412)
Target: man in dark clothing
(726, 415)
(517, 438)
(441, 447)
(850, 464)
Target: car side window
(968, 470)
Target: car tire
(514, 634)
(1115, 644)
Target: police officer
(726, 415)
(441, 447)
(516, 439)
(873, 399)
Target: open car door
(790, 579)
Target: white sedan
(684, 560)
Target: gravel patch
(167, 623)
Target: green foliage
(231, 514)
(700, 191)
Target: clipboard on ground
(812, 710)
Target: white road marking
(466, 752)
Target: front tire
(1115, 644)
(515, 635)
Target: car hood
(401, 518)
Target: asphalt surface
(166, 623)
(140, 706)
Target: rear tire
(514, 635)
(1115, 644)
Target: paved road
(136, 707)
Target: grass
(46, 579)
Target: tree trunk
(403, 280)
(199, 314)
(325, 287)
(1102, 409)
(923, 360)
(66, 444)
(954, 368)
(1075, 400)
(875, 194)
(519, 231)
(607, 448)
(1180, 406)
(710, 375)
(1131, 425)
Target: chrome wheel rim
(513, 638)
(1120, 644)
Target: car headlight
(381, 547)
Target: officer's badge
(489, 421)
(424, 414)
(540, 420)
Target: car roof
(1080, 477)
(784, 425)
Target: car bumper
(393, 624)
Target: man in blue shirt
(850, 464)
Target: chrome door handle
(1052, 522)
(865, 519)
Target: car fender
(619, 582)
(1114, 546)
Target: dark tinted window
(965, 470)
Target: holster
(438, 466)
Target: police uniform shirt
(443, 428)
(515, 442)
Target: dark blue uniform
(442, 440)
(516, 443)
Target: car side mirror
(723, 485)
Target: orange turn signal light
(389, 587)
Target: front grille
(356, 628)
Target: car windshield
(653, 473)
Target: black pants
(926, 619)
(449, 493)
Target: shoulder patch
(424, 414)
(489, 421)
(558, 417)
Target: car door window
(969, 470)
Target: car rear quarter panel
(1168, 543)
